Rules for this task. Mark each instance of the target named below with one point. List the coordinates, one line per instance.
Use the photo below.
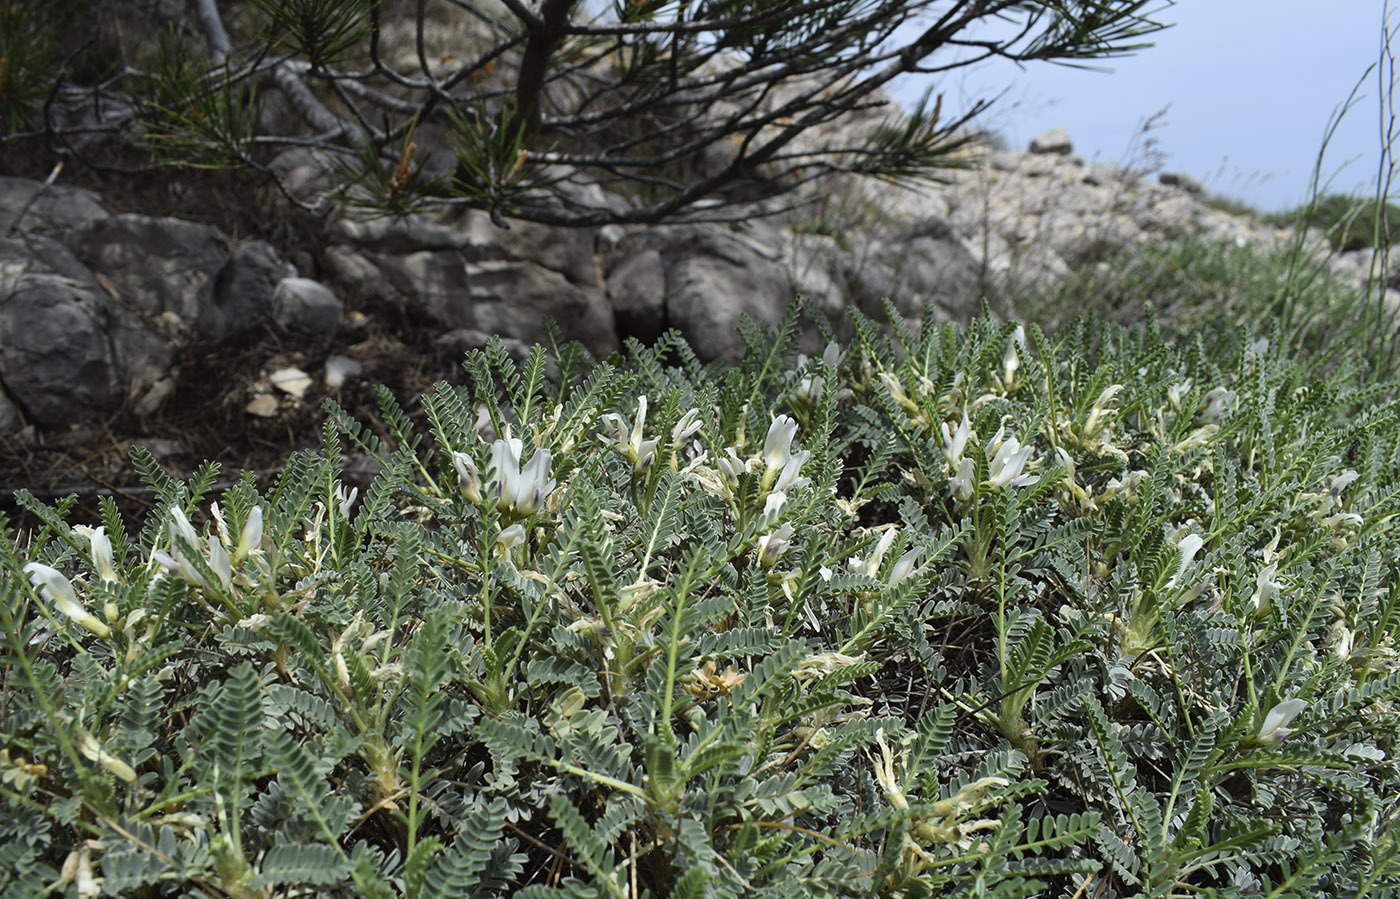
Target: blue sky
(1248, 85)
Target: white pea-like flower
(771, 546)
(963, 485)
(100, 549)
(468, 478)
(1010, 360)
(55, 588)
(345, 501)
(1216, 404)
(904, 566)
(686, 428)
(731, 466)
(510, 538)
(1275, 728)
(777, 447)
(1177, 392)
(1004, 467)
(251, 539)
(955, 441)
(523, 491)
(787, 478)
(1266, 589)
(1188, 545)
(180, 526)
(641, 453)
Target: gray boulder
(56, 207)
(68, 352)
(922, 264)
(713, 275)
(172, 269)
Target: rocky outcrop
(94, 305)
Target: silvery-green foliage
(965, 612)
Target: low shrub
(968, 612)
(1350, 223)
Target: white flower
(1176, 392)
(777, 447)
(251, 538)
(885, 774)
(1092, 425)
(731, 466)
(1343, 521)
(1342, 482)
(641, 453)
(1010, 361)
(180, 526)
(1275, 730)
(955, 441)
(685, 429)
(510, 538)
(771, 546)
(962, 481)
(220, 562)
(1189, 546)
(468, 477)
(1216, 405)
(523, 491)
(787, 478)
(825, 573)
(100, 548)
(871, 566)
(904, 566)
(773, 505)
(54, 587)
(1004, 468)
(1265, 589)
(86, 744)
(344, 502)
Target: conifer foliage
(558, 111)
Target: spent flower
(54, 587)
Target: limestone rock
(713, 276)
(637, 288)
(159, 266)
(303, 304)
(57, 207)
(1055, 141)
(67, 351)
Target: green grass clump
(970, 612)
(1350, 223)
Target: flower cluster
(632, 444)
(212, 554)
(518, 491)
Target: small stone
(339, 369)
(164, 447)
(292, 381)
(264, 406)
(154, 397)
(308, 305)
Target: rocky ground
(191, 371)
(205, 417)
